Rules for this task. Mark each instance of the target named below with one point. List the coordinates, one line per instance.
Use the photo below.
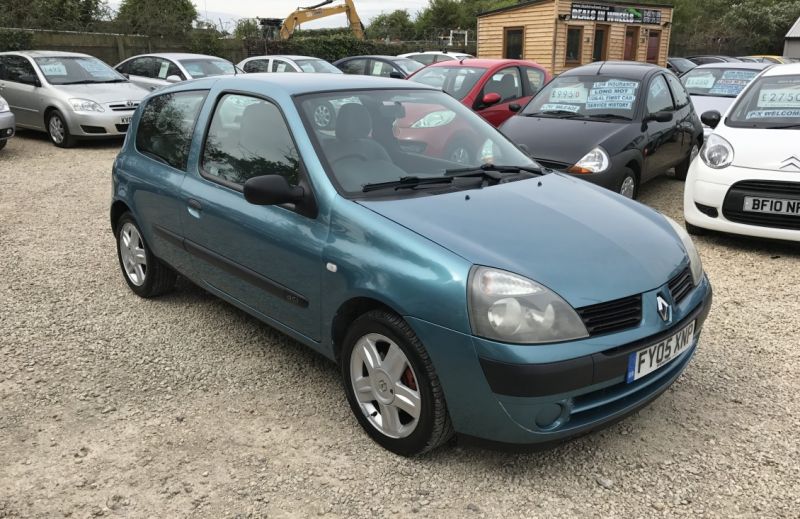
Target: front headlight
(3, 105)
(695, 262)
(717, 153)
(85, 105)
(434, 119)
(596, 161)
(509, 308)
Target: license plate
(772, 205)
(643, 362)
(125, 120)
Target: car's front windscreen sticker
(572, 94)
(705, 81)
(556, 107)
(54, 69)
(612, 95)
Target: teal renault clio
(491, 297)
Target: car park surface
(113, 405)
(69, 96)
(7, 123)
(614, 124)
(491, 353)
(154, 71)
(505, 82)
(745, 180)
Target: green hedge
(329, 48)
(15, 40)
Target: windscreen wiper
(784, 127)
(610, 116)
(81, 82)
(491, 171)
(407, 183)
(560, 114)
(486, 171)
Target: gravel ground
(185, 406)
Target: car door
(684, 114)
(506, 82)
(663, 142)
(20, 85)
(266, 258)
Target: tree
(71, 15)
(156, 17)
(247, 28)
(396, 25)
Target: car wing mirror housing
(660, 117)
(490, 99)
(271, 190)
(173, 79)
(396, 75)
(29, 79)
(711, 118)
(515, 107)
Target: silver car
(70, 96)
(154, 71)
(286, 64)
(6, 123)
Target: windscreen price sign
(615, 14)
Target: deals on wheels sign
(613, 13)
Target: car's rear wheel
(391, 385)
(59, 131)
(145, 274)
(3, 143)
(682, 169)
(629, 185)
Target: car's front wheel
(629, 185)
(59, 131)
(145, 274)
(392, 386)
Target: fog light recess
(549, 416)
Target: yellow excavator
(315, 12)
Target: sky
(235, 9)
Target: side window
(166, 68)
(257, 65)
(354, 66)
(379, 68)
(678, 91)
(166, 126)
(19, 70)
(535, 78)
(507, 83)
(144, 67)
(281, 66)
(249, 138)
(658, 96)
(122, 68)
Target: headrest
(353, 122)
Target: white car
(435, 56)
(286, 64)
(746, 179)
(154, 71)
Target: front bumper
(99, 125)
(713, 200)
(519, 394)
(7, 125)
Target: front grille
(732, 208)
(681, 285)
(122, 128)
(553, 165)
(93, 129)
(124, 107)
(613, 316)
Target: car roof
(483, 63)
(621, 69)
(300, 84)
(175, 55)
(745, 65)
(438, 52)
(373, 56)
(47, 53)
(789, 69)
(284, 56)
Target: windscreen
(587, 96)
(316, 65)
(199, 68)
(456, 81)
(74, 70)
(772, 102)
(717, 82)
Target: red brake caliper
(408, 379)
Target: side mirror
(396, 75)
(515, 107)
(30, 79)
(271, 190)
(659, 117)
(173, 79)
(711, 119)
(491, 99)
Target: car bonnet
(587, 244)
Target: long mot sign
(614, 13)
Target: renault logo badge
(664, 309)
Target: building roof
(528, 3)
(794, 32)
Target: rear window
(717, 82)
(456, 81)
(166, 126)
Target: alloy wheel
(56, 127)
(385, 385)
(133, 254)
(628, 189)
(322, 116)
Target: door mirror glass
(271, 190)
(711, 118)
(492, 98)
(173, 79)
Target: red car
(491, 87)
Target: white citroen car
(746, 179)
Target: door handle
(195, 204)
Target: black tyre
(59, 131)
(628, 185)
(3, 143)
(391, 385)
(682, 169)
(461, 151)
(695, 230)
(145, 274)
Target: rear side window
(166, 126)
(248, 138)
(535, 79)
(257, 65)
(354, 66)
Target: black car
(680, 66)
(616, 124)
(382, 66)
(705, 60)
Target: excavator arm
(315, 12)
